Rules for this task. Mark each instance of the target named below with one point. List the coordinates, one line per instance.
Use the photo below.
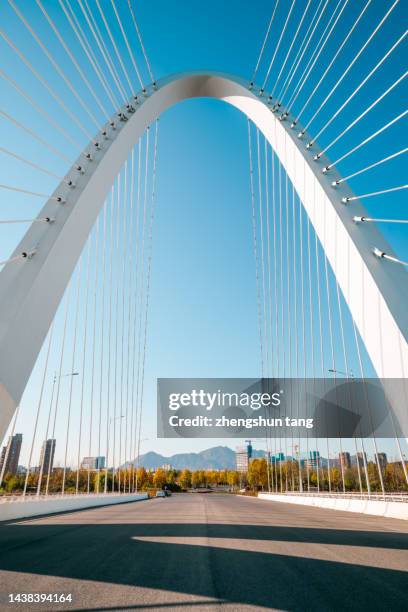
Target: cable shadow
(109, 553)
(13, 533)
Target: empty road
(206, 552)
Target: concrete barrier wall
(389, 509)
(19, 508)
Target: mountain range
(215, 458)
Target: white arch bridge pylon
(374, 289)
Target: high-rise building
(242, 457)
(382, 460)
(361, 459)
(47, 455)
(345, 460)
(313, 460)
(93, 463)
(10, 454)
(278, 458)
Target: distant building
(345, 460)
(382, 460)
(47, 455)
(361, 459)
(313, 460)
(10, 454)
(93, 463)
(278, 458)
(167, 467)
(242, 456)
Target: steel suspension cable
(302, 295)
(102, 343)
(132, 13)
(111, 289)
(276, 304)
(374, 165)
(48, 87)
(322, 360)
(264, 42)
(93, 26)
(311, 64)
(83, 41)
(56, 66)
(302, 50)
(282, 302)
(261, 233)
(112, 39)
(291, 46)
(115, 401)
(64, 335)
(357, 89)
(35, 136)
(333, 359)
(95, 302)
(149, 265)
(351, 64)
(135, 402)
(365, 141)
(289, 297)
(335, 56)
(131, 54)
(383, 255)
(141, 306)
(370, 219)
(255, 247)
(142, 272)
(124, 262)
(312, 340)
(72, 373)
(295, 301)
(38, 220)
(269, 321)
(105, 51)
(31, 193)
(277, 46)
(361, 116)
(346, 361)
(73, 60)
(374, 193)
(84, 357)
(50, 120)
(32, 164)
(128, 458)
(39, 405)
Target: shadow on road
(111, 553)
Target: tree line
(283, 476)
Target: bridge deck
(208, 551)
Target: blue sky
(203, 317)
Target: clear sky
(203, 316)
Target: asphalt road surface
(207, 552)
